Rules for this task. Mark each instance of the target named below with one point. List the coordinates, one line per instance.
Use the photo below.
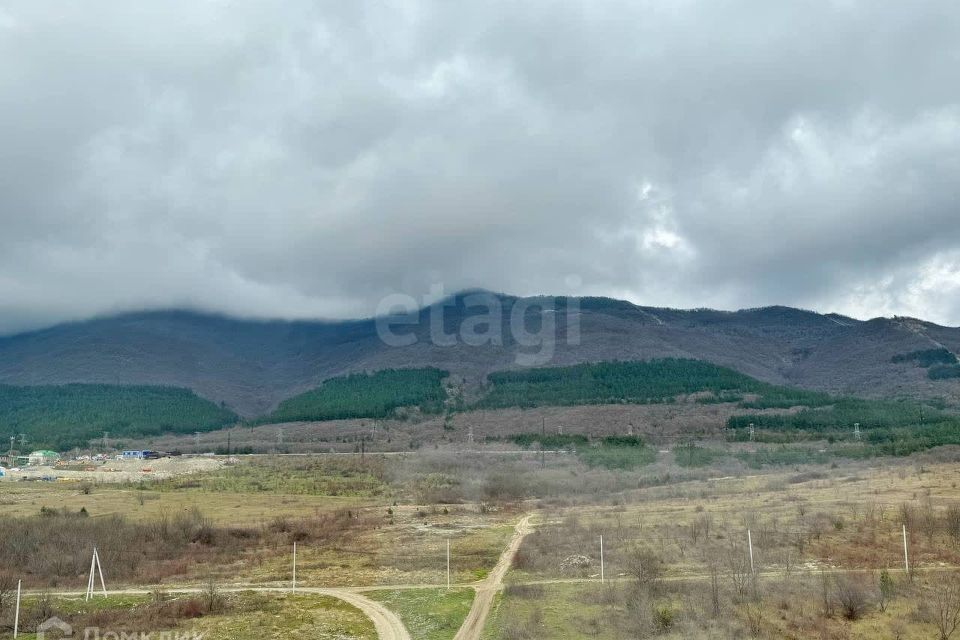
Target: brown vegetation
(54, 548)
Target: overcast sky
(305, 159)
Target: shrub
(664, 616)
(887, 589)
(926, 357)
(690, 455)
(646, 567)
(851, 597)
(944, 372)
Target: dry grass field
(677, 563)
(212, 614)
(676, 555)
(661, 423)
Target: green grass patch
(257, 616)
(720, 398)
(691, 455)
(610, 452)
(550, 441)
(428, 614)
(318, 476)
(784, 398)
(239, 616)
(568, 611)
(617, 452)
(783, 456)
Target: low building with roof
(43, 457)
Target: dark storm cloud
(307, 159)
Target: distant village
(14, 460)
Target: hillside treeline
(844, 413)
(643, 382)
(926, 357)
(362, 395)
(61, 417)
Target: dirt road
(387, 624)
(473, 624)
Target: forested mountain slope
(252, 366)
(64, 416)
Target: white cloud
(310, 159)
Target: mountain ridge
(252, 364)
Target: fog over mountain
(250, 366)
(305, 160)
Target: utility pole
(601, 559)
(750, 544)
(23, 442)
(543, 435)
(228, 444)
(94, 569)
(294, 589)
(106, 437)
(16, 616)
(906, 560)
(13, 439)
(448, 564)
(856, 431)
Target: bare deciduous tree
(825, 592)
(715, 589)
(851, 597)
(701, 527)
(952, 522)
(7, 586)
(944, 601)
(646, 567)
(929, 523)
(908, 515)
(738, 565)
(754, 613)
